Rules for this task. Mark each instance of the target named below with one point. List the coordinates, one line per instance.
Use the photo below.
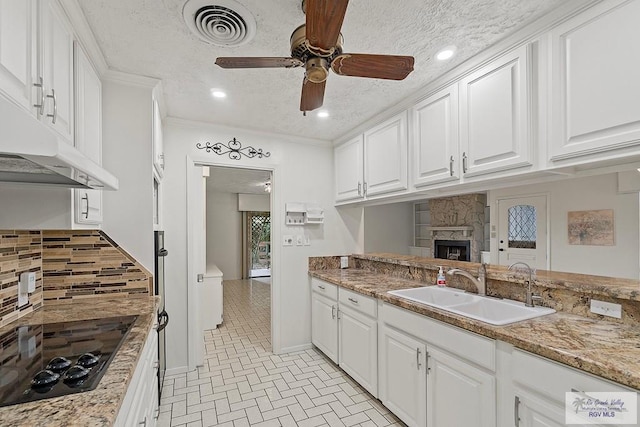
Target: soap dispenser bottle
(441, 281)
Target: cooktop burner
(55, 359)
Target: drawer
(329, 290)
(362, 303)
(553, 379)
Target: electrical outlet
(606, 308)
(287, 240)
(299, 240)
(344, 262)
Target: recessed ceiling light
(217, 93)
(323, 113)
(446, 53)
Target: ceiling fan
(317, 45)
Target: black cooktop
(55, 359)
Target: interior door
(522, 231)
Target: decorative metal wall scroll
(234, 149)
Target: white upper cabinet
(158, 147)
(495, 115)
(348, 168)
(88, 135)
(595, 87)
(56, 50)
(435, 138)
(18, 60)
(385, 154)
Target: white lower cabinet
(140, 404)
(403, 379)
(427, 376)
(344, 327)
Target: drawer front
(362, 303)
(554, 379)
(329, 290)
(467, 345)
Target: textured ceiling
(237, 180)
(149, 37)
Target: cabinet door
(88, 206)
(56, 45)
(358, 348)
(594, 82)
(494, 116)
(18, 47)
(403, 381)
(348, 170)
(435, 130)
(450, 382)
(158, 148)
(385, 157)
(532, 411)
(324, 325)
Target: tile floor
(243, 384)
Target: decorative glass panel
(260, 235)
(522, 227)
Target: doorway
(522, 231)
(257, 244)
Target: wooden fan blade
(324, 21)
(390, 67)
(257, 62)
(312, 95)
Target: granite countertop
(98, 407)
(606, 349)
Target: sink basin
(488, 310)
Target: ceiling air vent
(220, 22)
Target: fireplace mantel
(466, 229)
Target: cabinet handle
(53, 116)
(40, 86)
(364, 189)
(464, 162)
(321, 287)
(86, 213)
(143, 422)
(156, 364)
(353, 300)
(418, 358)
(451, 166)
(333, 311)
(516, 411)
(359, 189)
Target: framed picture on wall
(594, 228)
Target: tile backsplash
(69, 264)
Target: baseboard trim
(295, 348)
(177, 371)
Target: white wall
(303, 172)
(254, 202)
(33, 207)
(388, 228)
(127, 153)
(224, 234)
(589, 193)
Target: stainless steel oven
(163, 317)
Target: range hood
(30, 152)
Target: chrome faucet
(480, 282)
(529, 298)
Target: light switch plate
(307, 240)
(299, 240)
(606, 308)
(287, 240)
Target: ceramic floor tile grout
(243, 384)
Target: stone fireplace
(457, 227)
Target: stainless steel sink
(484, 309)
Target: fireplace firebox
(457, 250)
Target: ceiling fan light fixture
(317, 70)
(323, 114)
(446, 53)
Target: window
(522, 227)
